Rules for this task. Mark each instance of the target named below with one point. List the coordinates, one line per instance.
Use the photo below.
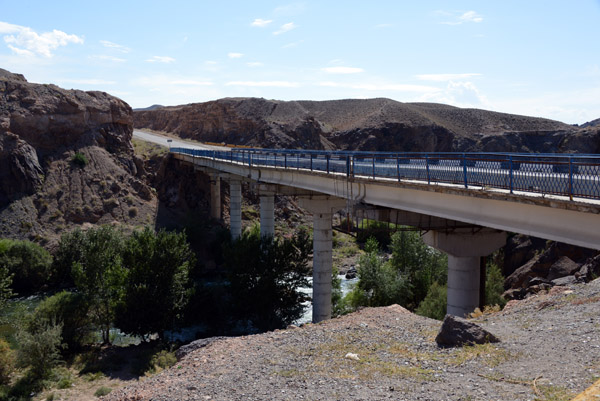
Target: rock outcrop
(370, 124)
(456, 332)
(65, 158)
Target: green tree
(28, 263)
(40, 349)
(434, 304)
(70, 250)
(157, 285)
(265, 276)
(100, 276)
(5, 285)
(419, 264)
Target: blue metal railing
(572, 175)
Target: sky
(533, 57)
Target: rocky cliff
(371, 124)
(65, 159)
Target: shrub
(494, 286)
(162, 360)
(79, 159)
(434, 304)
(40, 350)
(102, 391)
(29, 264)
(380, 282)
(69, 309)
(5, 285)
(7, 360)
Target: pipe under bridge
(466, 202)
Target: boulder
(562, 267)
(194, 345)
(565, 281)
(456, 332)
(590, 269)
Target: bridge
(464, 202)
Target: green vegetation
(29, 265)
(157, 288)
(5, 285)
(265, 275)
(7, 361)
(102, 391)
(79, 160)
(40, 348)
(434, 304)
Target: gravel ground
(549, 350)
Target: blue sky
(539, 58)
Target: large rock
(456, 332)
(562, 267)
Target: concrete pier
(322, 208)
(267, 212)
(465, 249)
(235, 208)
(215, 196)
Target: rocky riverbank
(549, 349)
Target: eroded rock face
(369, 124)
(42, 191)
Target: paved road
(162, 140)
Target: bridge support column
(235, 208)
(465, 249)
(322, 208)
(267, 212)
(215, 196)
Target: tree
(494, 286)
(157, 285)
(379, 284)
(418, 263)
(265, 278)
(28, 263)
(99, 275)
(5, 285)
(40, 349)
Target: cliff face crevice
(369, 125)
(43, 189)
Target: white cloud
(104, 57)
(382, 26)
(235, 55)
(111, 45)
(460, 94)
(285, 28)
(342, 70)
(91, 81)
(190, 82)
(382, 87)
(25, 41)
(254, 64)
(292, 44)
(261, 23)
(446, 77)
(469, 16)
(161, 59)
(279, 84)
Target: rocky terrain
(549, 349)
(66, 159)
(369, 124)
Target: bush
(79, 159)
(434, 304)
(265, 277)
(70, 310)
(7, 360)
(379, 281)
(371, 228)
(494, 286)
(102, 391)
(29, 264)
(40, 350)
(162, 360)
(5, 285)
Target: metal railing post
(285, 160)
(327, 157)
(510, 166)
(311, 162)
(347, 165)
(465, 170)
(398, 167)
(427, 168)
(570, 177)
(373, 156)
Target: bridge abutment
(465, 249)
(322, 209)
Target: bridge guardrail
(572, 175)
